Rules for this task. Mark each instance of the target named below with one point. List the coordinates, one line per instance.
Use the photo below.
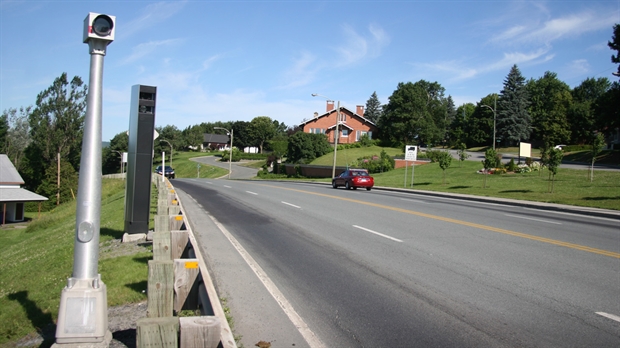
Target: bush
(376, 164)
(511, 166)
(236, 155)
(433, 155)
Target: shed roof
(8, 174)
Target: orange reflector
(191, 264)
(179, 217)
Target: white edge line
(610, 316)
(292, 205)
(378, 234)
(302, 327)
(227, 186)
(252, 193)
(539, 220)
(573, 214)
(414, 201)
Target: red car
(354, 178)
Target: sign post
(411, 154)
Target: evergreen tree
(513, 122)
(373, 108)
(615, 45)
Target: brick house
(351, 127)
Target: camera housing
(99, 26)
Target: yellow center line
(464, 223)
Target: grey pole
(86, 252)
(82, 313)
(336, 139)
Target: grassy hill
(347, 156)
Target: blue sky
(235, 60)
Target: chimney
(330, 106)
(360, 110)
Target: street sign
(411, 153)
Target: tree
(582, 113)
(490, 161)
(445, 159)
(193, 137)
(458, 130)
(413, 114)
(261, 129)
(615, 45)
(462, 152)
(555, 159)
(305, 147)
(480, 123)
(373, 108)
(4, 131)
(513, 122)
(449, 116)
(279, 146)
(17, 136)
(112, 154)
(597, 146)
(56, 126)
(550, 102)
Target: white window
(345, 132)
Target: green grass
(347, 156)
(571, 187)
(184, 168)
(36, 261)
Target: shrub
(529, 161)
(236, 155)
(433, 155)
(511, 166)
(376, 164)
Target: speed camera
(99, 26)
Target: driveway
(238, 171)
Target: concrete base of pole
(104, 344)
(83, 313)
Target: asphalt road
(387, 269)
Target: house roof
(215, 138)
(10, 180)
(341, 110)
(8, 174)
(17, 194)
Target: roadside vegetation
(36, 259)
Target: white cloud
(153, 14)
(547, 31)
(147, 48)
(302, 72)
(357, 47)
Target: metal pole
(88, 212)
(494, 118)
(230, 154)
(336, 140)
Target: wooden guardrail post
(200, 332)
(160, 289)
(185, 286)
(157, 332)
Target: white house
(12, 196)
